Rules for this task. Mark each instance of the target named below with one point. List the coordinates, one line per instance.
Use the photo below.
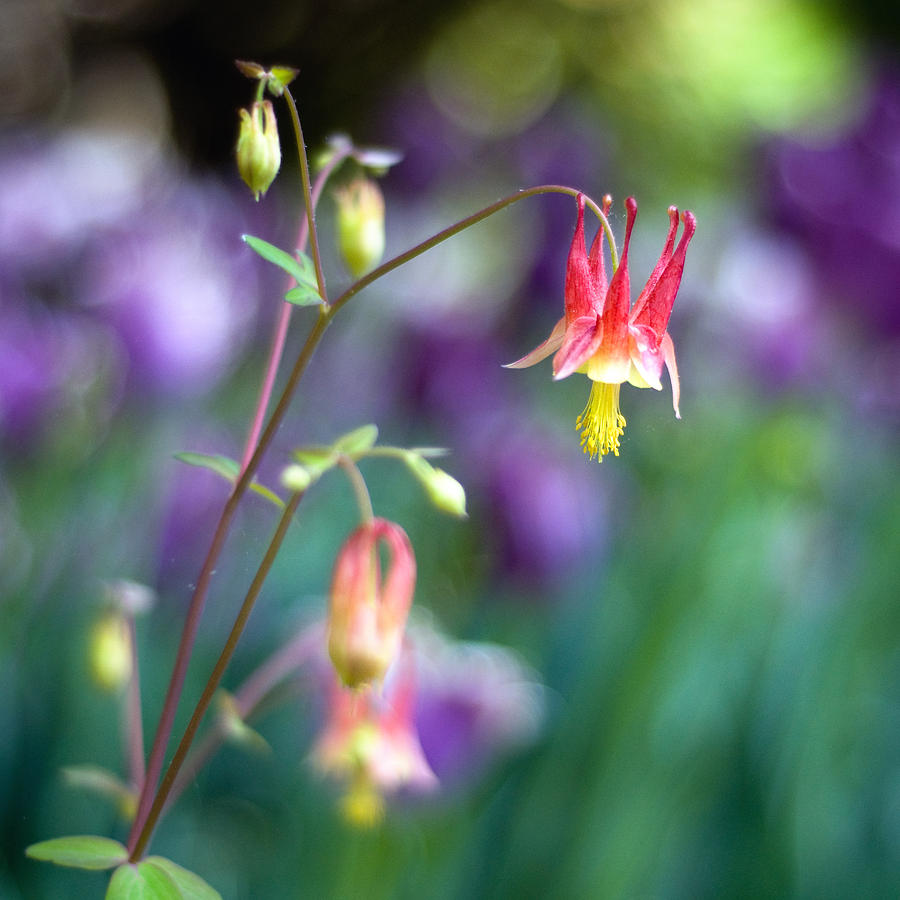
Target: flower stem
(360, 491)
(198, 599)
(213, 683)
(247, 700)
(462, 225)
(133, 724)
(284, 319)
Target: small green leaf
(103, 782)
(300, 269)
(229, 470)
(280, 77)
(144, 881)
(250, 69)
(268, 493)
(357, 441)
(304, 295)
(316, 460)
(222, 465)
(192, 886)
(83, 851)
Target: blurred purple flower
(842, 199)
(544, 509)
(176, 288)
(475, 702)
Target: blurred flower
(602, 335)
(181, 301)
(841, 197)
(370, 742)
(110, 651)
(360, 224)
(367, 614)
(475, 702)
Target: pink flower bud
(367, 612)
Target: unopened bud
(258, 151)
(296, 478)
(367, 613)
(110, 652)
(443, 490)
(360, 225)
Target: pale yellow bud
(360, 225)
(110, 652)
(258, 150)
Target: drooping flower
(367, 613)
(602, 335)
(370, 742)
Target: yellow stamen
(362, 805)
(601, 423)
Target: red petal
(542, 351)
(581, 295)
(598, 269)
(583, 337)
(668, 349)
(643, 346)
(657, 308)
(618, 300)
(663, 261)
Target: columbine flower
(367, 614)
(370, 742)
(608, 339)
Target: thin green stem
(307, 195)
(215, 678)
(134, 729)
(462, 225)
(360, 491)
(279, 336)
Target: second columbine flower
(602, 335)
(367, 612)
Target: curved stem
(307, 195)
(360, 491)
(213, 683)
(462, 225)
(247, 699)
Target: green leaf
(280, 77)
(304, 295)
(144, 881)
(229, 470)
(316, 460)
(268, 493)
(221, 465)
(103, 782)
(301, 270)
(192, 886)
(83, 851)
(357, 441)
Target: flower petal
(598, 268)
(662, 262)
(581, 294)
(583, 337)
(657, 308)
(646, 357)
(542, 351)
(611, 361)
(668, 349)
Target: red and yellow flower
(602, 335)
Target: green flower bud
(360, 224)
(258, 151)
(296, 478)
(110, 652)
